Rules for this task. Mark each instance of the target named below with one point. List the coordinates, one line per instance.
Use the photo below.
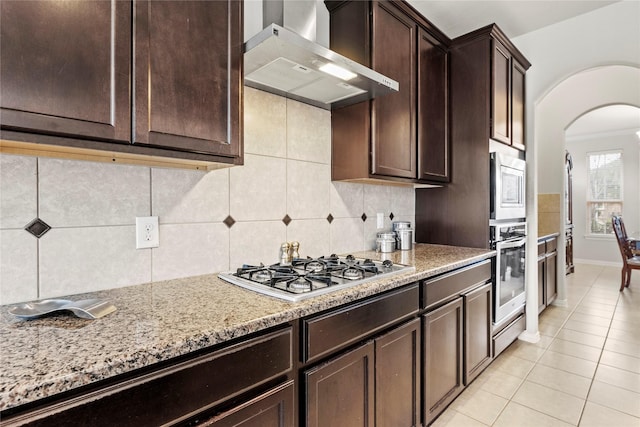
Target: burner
(299, 285)
(315, 266)
(261, 275)
(353, 273)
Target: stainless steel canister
(405, 239)
(399, 225)
(386, 242)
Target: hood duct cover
(281, 61)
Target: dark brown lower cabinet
(340, 392)
(477, 331)
(398, 364)
(274, 408)
(443, 357)
(376, 384)
(547, 272)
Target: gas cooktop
(309, 277)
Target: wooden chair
(629, 261)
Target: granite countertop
(548, 235)
(162, 320)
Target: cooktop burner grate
(308, 277)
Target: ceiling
(614, 118)
(514, 17)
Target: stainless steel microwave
(508, 183)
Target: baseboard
(596, 262)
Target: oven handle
(510, 244)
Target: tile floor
(584, 371)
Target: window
(604, 192)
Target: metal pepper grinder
(284, 254)
(294, 250)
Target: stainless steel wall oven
(508, 196)
(509, 241)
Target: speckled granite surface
(159, 321)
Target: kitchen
(91, 208)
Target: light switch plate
(379, 220)
(147, 233)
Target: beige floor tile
(525, 350)
(551, 402)
(513, 366)
(517, 415)
(568, 363)
(452, 418)
(625, 326)
(626, 336)
(630, 349)
(544, 342)
(618, 377)
(587, 328)
(560, 380)
(628, 314)
(594, 320)
(607, 314)
(616, 398)
(575, 349)
(595, 415)
(620, 361)
(481, 405)
(581, 338)
(547, 329)
(498, 383)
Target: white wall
(603, 250)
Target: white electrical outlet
(380, 220)
(147, 233)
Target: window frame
(589, 201)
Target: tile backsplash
(91, 208)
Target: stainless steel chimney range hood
(281, 61)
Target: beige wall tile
(308, 190)
(18, 190)
(258, 190)
(74, 260)
(264, 123)
(548, 202)
(347, 199)
(256, 242)
(183, 196)
(313, 236)
(18, 266)
(190, 250)
(347, 235)
(76, 193)
(377, 198)
(308, 133)
(548, 223)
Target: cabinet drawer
(552, 245)
(508, 335)
(174, 393)
(337, 329)
(444, 287)
(541, 249)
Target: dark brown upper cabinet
(508, 94)
(138, 82)
(401, 137)
(66, 68)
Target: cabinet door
(517, 105)
(501, 98)
(340, 392)
(477, 331)
(393, 116)
(551, 279)
(541, 284)
(433, 105)
(188, 82)
(398, 376)
(442, 350)
(274, 408)
(64, 68)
